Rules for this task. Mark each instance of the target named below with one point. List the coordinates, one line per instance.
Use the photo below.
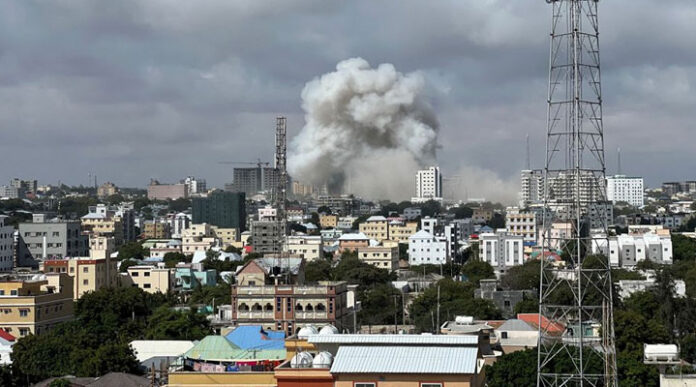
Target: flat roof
(405, 360)
(394, 339)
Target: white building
(501, 250)
(345, 223)
(428, 185)
(195, 186)
(178, 223)
(532, 186)
(627, 250)
(621, 188)
(305, 246)
(6, 243)
(424, 248)
(521, 223)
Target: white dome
(301, 360)
(322, 360)
(305, 332)
(328, 330)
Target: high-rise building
(501, 250)
(428, 185)
(28, 186)
(521, 223)
(107, 189)
(254, 180)
(621, 188)
(532, 186)
(6, 243)
(157, 191)
(195, 186)
(222, 209)
(110, 221)
(53, 238)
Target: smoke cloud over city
(367, 131)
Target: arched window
(321, 308)
(268, 307)
(309, 308)
(243, 307)
(256, 307)
(298, 307)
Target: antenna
(618, 153)
(528, 161)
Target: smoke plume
(367, 131)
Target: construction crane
(258, 163)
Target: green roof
(218, 348)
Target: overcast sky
(133, 90)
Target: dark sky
(133, 90)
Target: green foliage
(326, 210)
(456, 298)
(168, 324)
(60, 382)
(683, 248)
(448, 269)
(522, 277)
(317, 270)
(618, 274)
(497, 221)
(172, 258)
(125, 264)
(212, 261)
(461, 212)
(114, 199)
(527, 305)
(232, 249)
(206, 294)
(180, 205)
(513, 369)
(688, 347)
(476, 270)
(355, 271)
(77, 206)
(356, 222)
(314, 219)
(378, 305)
(430, 208)
(133, 250)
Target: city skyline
(128, 92)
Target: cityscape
(336, 219)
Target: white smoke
(479, 183)
(367, 130)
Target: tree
(497, 221)
(172, 258)
(168, 324)
(378, 307)
(522, 277)
(114, 199)
(513, 369)
(527, 305)
(208, 295)
(60, 382)
(314, 218)
(317, 270)
(683, 248)
(232, 249)
(355, 271)
(133, 250)
(430, 208)
(461, 212)
(324, 210)
(356, 222)
(126, 263)
(476, 270)
(180, 204)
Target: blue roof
(254, 337)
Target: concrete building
(35, 306)
(55, 238)
(305, 246)
(352, 242)
(195, 186)
(521, 223)
(400, 231)
(428, 185)
(156, 230)
(425, 248)
(375, 227)
(11, 192)
(222, 209)
(328, 221)
(532, 187)
(412, 213)
(157, 191)
(253, 180)
(117, 222)
(227, 236)
(178, 223)
(621, 188)
(189, 276)
(266, 236)
(29, 187)
(627, 250)
(150, 279)
(482, 215)
(107, 189)
(501, 250)
(505, 300)
(6, 244)
(198, 237)
(345, 223)
(383, 257)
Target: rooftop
(405, 360)
(414, 340)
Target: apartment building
(626, 250)
(352, 242)
(157, 191)
(156, 230)
(622, 188)
(267, 236)
(345, 223)
(375, 227)
(532, 187)
(425, 248)
(107, 189)
(501, 250)
(150, 279)
(117, 222)
(221, 209)
(6, 244)
(328, 221)
(400, 231)
(383, 257)
(482, 215)
(428, 185)
(198, 237)
(305, 246)
(34, 306)
(521, 223)
(54, 238)
(227, 236)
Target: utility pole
(437, 328)
(575, 193)
(396, 322)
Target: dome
(328, 330)
(322, 360)
(301, 360)
(306, 331)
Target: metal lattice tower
(576, 328)
(281, 171)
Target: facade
(352, 242)
(521, 223)
(107, 221)
(266, 236)
(345, 223)
(501, 250)
(11, 192)
(412, 213)
(380, 256)
(304, 246)
(254, 180)
(227, 236)
(328, 221)
(505, 300)
(621, 188)
(428, 185)
(189, 276)
(198, 237)
(107, 189)
(532, 187)
(35, 306)
(195, 186)
(482, 215)
(400, 231)
(222, 209)
(424, 248)
(53, 238)
(150, 279)
(156, 230)
(157, 191)
(375, 227)
(6, 244)
(178, 223)
(627, 250)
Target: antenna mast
(576, 328)
(282, 175)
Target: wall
(406, 380)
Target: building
(428, 185)
(54, 238)
(266, 236)
(300, 189)
(227, 236)
(482, 215)
(178, 223)
(194, 186)
(305, 246)
(190, 276)
(403, 360)
(328, 221)
(621, 188)
(29, 187)
(400, 231)
(253, 180)
(352, 242)
(150, 279)
(157, 191)
(412, 213)
(505, 300)
(626, 250)
(424, 248)
(107, 189)
(532, 187)
(89, 274)
(516, 335)
(501, 250)
(521, 223)
(115, 222)
(156, 230)
(222, 209)
(375, 227)
(6, 244)
(382, 257)
(345, 223)
(11, 192)
(35, 306)
(341, 205)
(198, 237)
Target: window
(363, 384)
(23, 331)
(146, 274)
(85, 282)
(13, 292)
(85, 269)
(147, 286)
(504, 335)
(23, 312)
(2, 292)
(134, 274)
(431, 384)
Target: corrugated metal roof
(395, 339)
(404, 360)
(514, 324)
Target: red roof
(6, 335)
(549, 326)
